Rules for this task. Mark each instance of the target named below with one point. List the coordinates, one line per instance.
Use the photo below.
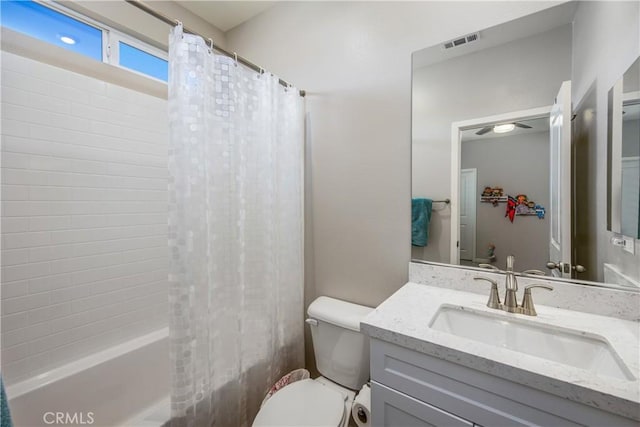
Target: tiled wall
(84, 215)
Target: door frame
(473, 172)
(456, 129)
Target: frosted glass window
(143, 62)
(51, 26)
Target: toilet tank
(341, 350)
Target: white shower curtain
(235, 234)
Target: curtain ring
(210, 43)
(235, 58)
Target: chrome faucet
(511, 288)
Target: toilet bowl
(342, 358)
(304, 403)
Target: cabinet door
(390, 408)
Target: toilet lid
(302, 403)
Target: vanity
(526, 171)
(440, 356)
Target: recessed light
(67, 40)
(508, 127)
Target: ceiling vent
(470, 38)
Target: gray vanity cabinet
(409, 388)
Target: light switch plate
(629, 245)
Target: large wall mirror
(495, 168)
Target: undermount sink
(573, 348)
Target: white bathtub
(104, 389)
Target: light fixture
(507, 127)
(67, 40)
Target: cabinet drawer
(485, 399)
(392, 409)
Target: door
(560, 182)
(468, 191)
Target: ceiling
(226, 15)
(537, 125)
(526, 26)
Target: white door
(560, 179)
(468, 190)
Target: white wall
(606, 43)
(519, 75)
(520, 165)
(84, 215)
(354, 61)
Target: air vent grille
(469, 38)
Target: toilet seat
(303, 403)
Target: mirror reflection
(510, 70)
(492, 132)
(497, 192)
(625, 104)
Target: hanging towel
(420, 218)
(5, 416)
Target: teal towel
(420, 218)
(5, 416)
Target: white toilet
(342, 358)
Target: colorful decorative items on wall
(519, 205)
(493, 195)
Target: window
(142, 61)
(59, 26)
(53, 27)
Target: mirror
(624, 154)
(486, 136)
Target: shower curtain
(235, 234)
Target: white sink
(573, 348)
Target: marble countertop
(404, 319)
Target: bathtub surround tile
(48, 313)
(11, 322)
(613, 302)
(25, 303)
(15, 289)
(25, 271)
(44, 284)
(84, 215)
(26, 367)
(13, 225)
(25, 335)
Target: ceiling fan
(502, 128)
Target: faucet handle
(494, 298)
(535, 272)
(489, 267)
(527, 300)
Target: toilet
(342, 358)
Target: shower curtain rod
(145, 8)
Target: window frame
(115, 37)
(111, 39)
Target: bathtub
(108, 388)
